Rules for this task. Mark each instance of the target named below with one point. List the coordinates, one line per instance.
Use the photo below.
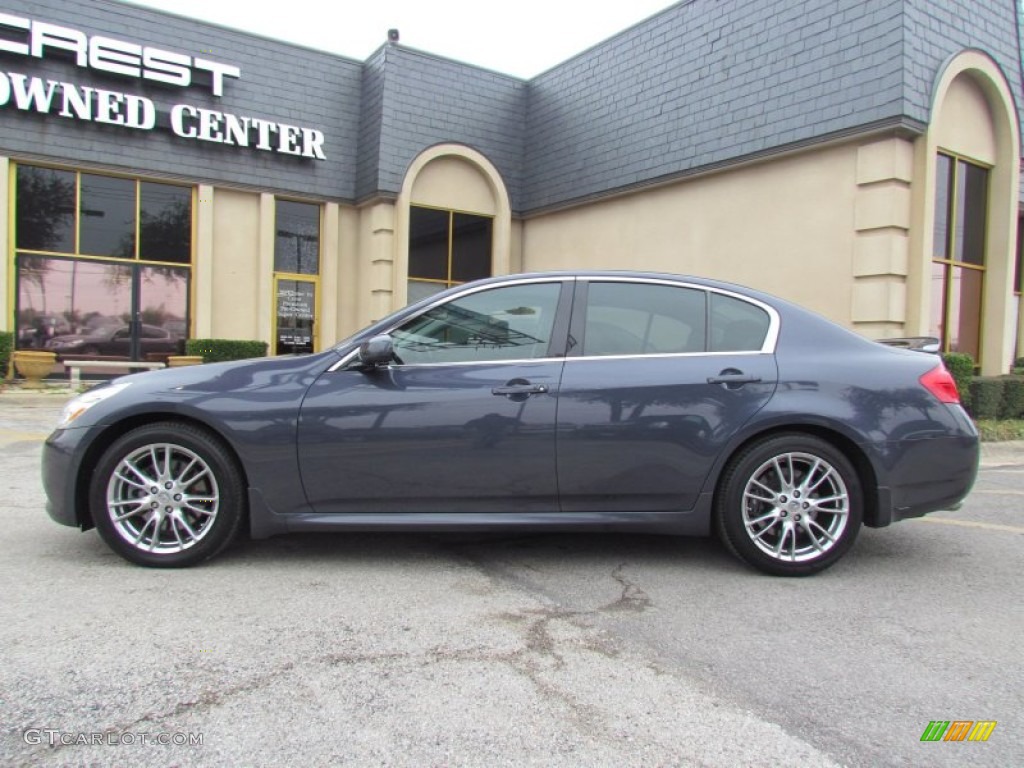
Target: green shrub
(6, 345)
(1013, 397)
(220, 350)
(961, 367)
(1019, 362)
(986, 396)
(997, 431)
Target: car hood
(187, 388)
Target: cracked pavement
(428, 650)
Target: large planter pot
(177, 361)
(34, 366)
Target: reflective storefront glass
(102, 265)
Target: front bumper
(62, 457)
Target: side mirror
(376, 351)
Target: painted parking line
(997, 492)
(973, 524)
(16, 436)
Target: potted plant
(34, 365)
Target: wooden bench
(75, 367)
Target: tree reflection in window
(165, 223)
(45, 217)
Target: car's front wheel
(789, 505)
(167, 495)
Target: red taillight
(940, 383)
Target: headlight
(87, 400)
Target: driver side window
(508, 323)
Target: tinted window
(471, 247)
(637, 318)
(509, 323)
(165, 226)
(737, 325)
(297, 244)
(107, 210)
(428, 244)
(446, 248)
(45, 218)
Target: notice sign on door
(294, 304)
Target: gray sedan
(585, 401)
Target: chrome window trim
(767, 347)
(664, 354)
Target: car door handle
(520, 389)
(737, 378)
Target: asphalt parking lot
(429, 650)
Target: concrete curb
(1006, 453)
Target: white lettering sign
(106, 54)
(36, 39)
(33, 94)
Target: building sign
(36, 39)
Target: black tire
(789, 505)
(188, 510)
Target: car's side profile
(626, 401)
(114, 340)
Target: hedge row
(6, 345)
(221, 350)
(997, 397)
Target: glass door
(83, 309)
(295, 315)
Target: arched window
(958, 258)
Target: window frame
(303, 277)
(75, 254)
(76, 251)
(950, 263)
(1018, 276)
(448, 282)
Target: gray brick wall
(702, 83)
(370, 119)
(708, 81)
(279, 82)
(429, 100)
(936, 31)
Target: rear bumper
(924, 476)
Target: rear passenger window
(643, 319)
(737, 325)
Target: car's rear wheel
(167, 495)
(789, 505)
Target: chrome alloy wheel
(795, 507)
(162, 498)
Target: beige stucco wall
(785, 226)
(453, 182)
(235, 276)
(963, 122)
